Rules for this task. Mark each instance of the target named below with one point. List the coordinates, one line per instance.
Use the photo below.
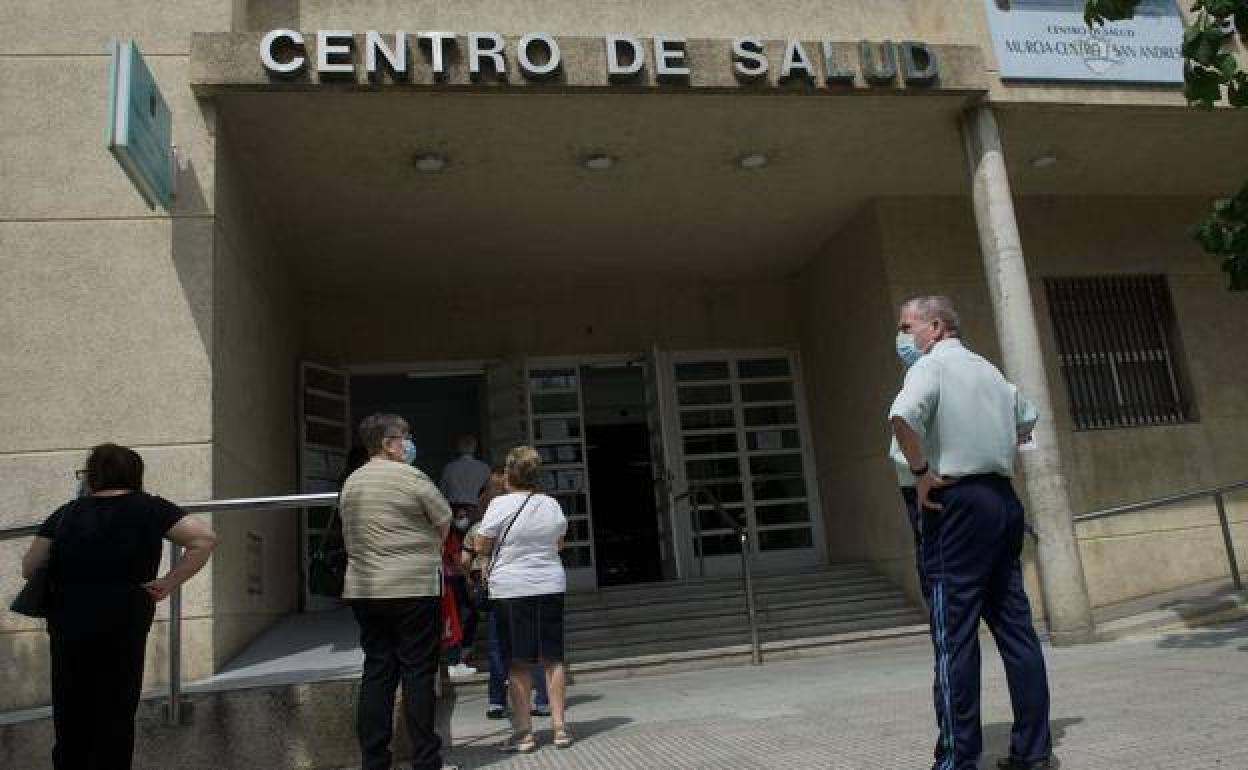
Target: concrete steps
(708, 614)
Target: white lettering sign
(537, 56)
(1044, 40)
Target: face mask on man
(409, 451)
(80, 489)
(907, 351)
(462, 523)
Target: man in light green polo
(958, 424)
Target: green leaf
(1237, 92)
(1221, 8)
(1201, 87)
(1097, 12)
(1226, 64)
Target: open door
(324, 441)
(658, 386)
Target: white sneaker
(459, 669)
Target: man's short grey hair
(467, 444)
(937, 308)
(376, 428)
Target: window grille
(1118, 352)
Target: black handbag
(489, 568)
(35, 598)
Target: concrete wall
(256, 346)
(106, 306)
(851, 377)
(1140, 554)
(954, 21)
(547, 320)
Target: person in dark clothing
(103, 552)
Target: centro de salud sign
(1049, 40)
(488, 56)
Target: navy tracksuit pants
(970, 562)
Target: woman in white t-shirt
(521, 534)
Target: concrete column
(1058, 560)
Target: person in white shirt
(522, 533)
(958, 424)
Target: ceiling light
(430, 162)
(752, 160)
(598, 162)
(1047, 160)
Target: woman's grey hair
(524, 468)
(937, 308)
(376, 428)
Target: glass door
(658, 386)
(324, 440)
(557, 431)
(743, 437)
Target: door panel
(324, 400)
(657, 388)
(742, 437)
(557, 421)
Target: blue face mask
(409, 451)
(907, 351)
(81, 489)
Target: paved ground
(1167, 700)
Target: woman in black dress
(103, 552)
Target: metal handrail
(174, 709)
(1218, 494)
(743, 537)
(277, 502)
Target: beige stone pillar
(1057, 554)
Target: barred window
(1118, 351)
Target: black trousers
(96, 680)
(401, 640)
(971, 562)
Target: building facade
(665, 242)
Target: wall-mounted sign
(140, 128)
(1049, 40)
(488, 56)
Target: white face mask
(907, 350)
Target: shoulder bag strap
(499, 545)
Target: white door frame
(582, 578)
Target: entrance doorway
(439, 408)
(621, 475)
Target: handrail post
(1230, 543)
(174, 712)
(697, 530)
(756, 650)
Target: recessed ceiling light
(752, 160)
(598, 162)
(1047, 160)
(430, 162)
